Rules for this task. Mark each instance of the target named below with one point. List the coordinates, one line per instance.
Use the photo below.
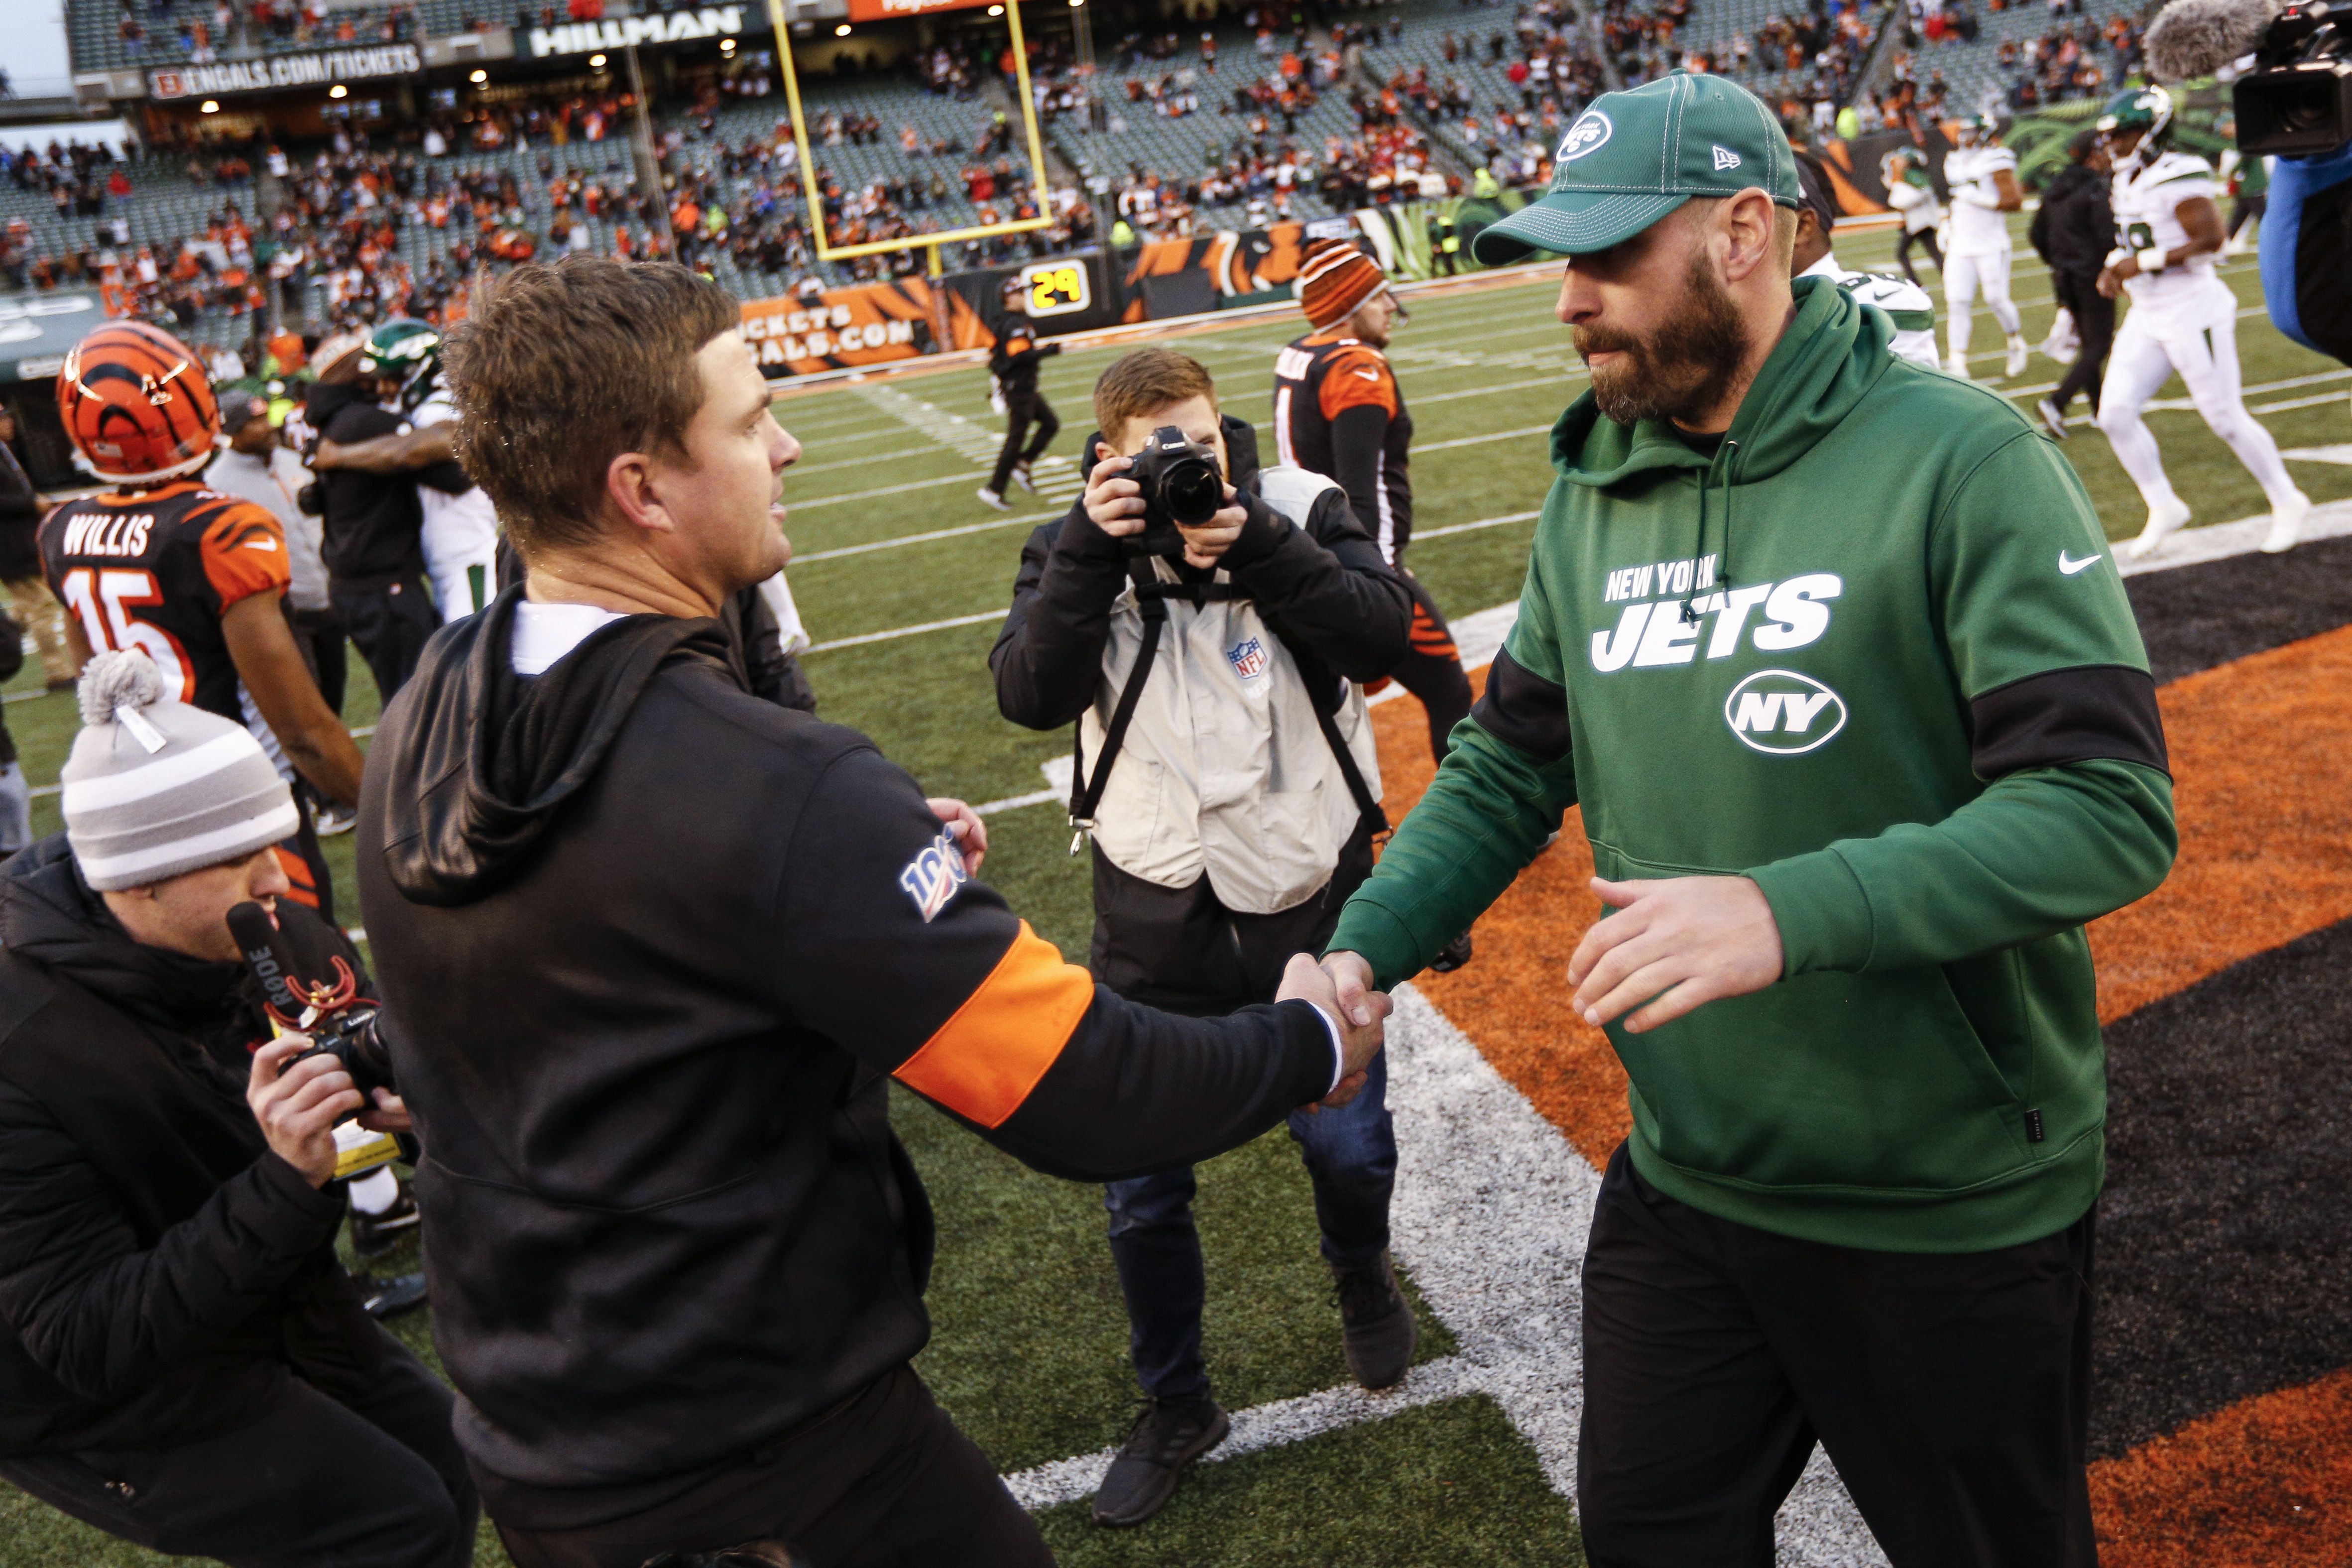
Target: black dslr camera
(1181, 483)
(2297, 100)
(340, 1022)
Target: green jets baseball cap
(1635, 156)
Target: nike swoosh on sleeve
(2071, 567)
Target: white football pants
(460, 541)
(1964, 276)
(2141, 362)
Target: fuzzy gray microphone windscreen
(2195, 39)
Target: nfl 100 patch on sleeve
(935, 876)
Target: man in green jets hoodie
(1830, 650)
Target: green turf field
(1029, 1352)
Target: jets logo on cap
(1592, 129)
(1725, 158)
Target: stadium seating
(1972, 69)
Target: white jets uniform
(1976, 245)
(461, 531)
(1905, 304)
(2182, 318)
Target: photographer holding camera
(1200, 619)
(182, 1362)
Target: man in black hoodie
(653, 949)
(2072, 233)
(182, 1362)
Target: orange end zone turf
(2261, 1484)
(2261, 768)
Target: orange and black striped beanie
(1334, 281)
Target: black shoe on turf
(1452, 956)
(390, 1298)
(373, 1235)
(1167, 1438)
(1375, 1323)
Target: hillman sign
(278, 73)
(660, 27)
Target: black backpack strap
(1086, 794)
(1366, 804)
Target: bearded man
(1830, 651)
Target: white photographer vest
(1224, 771)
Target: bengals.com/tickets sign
(884, 10)
(869, 324)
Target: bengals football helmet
(138, 404)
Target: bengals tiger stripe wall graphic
(2221, 1420)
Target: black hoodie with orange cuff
(651, 950)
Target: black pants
(373, 1482)
(1024, 408)
(882, 1480)
(2094, 323)
(1951, 1390)
(1925, 237)
(320, 635)
(2247, 210)
(1432, 669)
(390, 625)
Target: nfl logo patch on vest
(1247, 658)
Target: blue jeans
(1350, 1156)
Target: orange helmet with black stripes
(138, 403)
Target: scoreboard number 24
(1056, 288)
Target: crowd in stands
(195, 31)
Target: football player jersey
(155, 570)
(1977, 230)
(2187, 296)
(1318, 380)
(1905, 304)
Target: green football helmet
(408, 354)
(2147, 110)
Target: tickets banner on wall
(871, 323)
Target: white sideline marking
(897, 632)
(1490, 1216)
(2339, 453)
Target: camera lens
(1193, 491)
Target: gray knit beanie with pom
(155, 787)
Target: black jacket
(371, 532)
(1015, 358)
(2074, 229)
(1323, 588)
(650, 949)
(161, 1272)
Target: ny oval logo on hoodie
(1782, 713)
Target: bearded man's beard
(1682, 369)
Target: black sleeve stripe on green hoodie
(1522, 709)
(2101, 710)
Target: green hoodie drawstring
(1698, 546)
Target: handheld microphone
(257, 936)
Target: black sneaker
(390, 1298)
(1375, 1324)
(1166, 1438)
(1452, 956)
(373, 1235)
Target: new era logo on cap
(1725, 158)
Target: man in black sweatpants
(1030, 425)
(2072, 233)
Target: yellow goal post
(812, 200)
